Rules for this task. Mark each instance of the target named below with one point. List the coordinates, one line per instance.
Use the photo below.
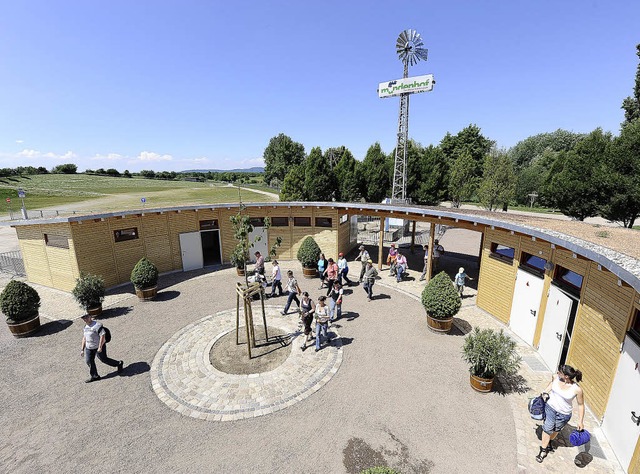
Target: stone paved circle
(184, 379)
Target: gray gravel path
(401, 395)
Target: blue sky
(205, 84)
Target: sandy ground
(401, 396)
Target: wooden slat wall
(180, 222)
(127, 253)
(497, 278)
(46, 265)
(634, 465)
(95, 252)
(344, 241)
(601, 322)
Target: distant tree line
(582, 175)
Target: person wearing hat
(343, 269)
(370, 275)
(438, 251)
(425, 247)
(460, 279)
(94, 344)
(363, 257)
(391, 259)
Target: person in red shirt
(331, 275)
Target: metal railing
(16, 215)
(11, 262)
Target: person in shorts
(562, 389)
(460, 279)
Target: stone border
(184, 379)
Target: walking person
(259, 267)
(343, 269)
(322, 321)
(335, 301)
(460, 279)
(94, 344)
(276, 279)
(294, 290)
(391, 258)
(307, 308)
(425, 247)
(322, 267)
(438, 251)
(370, 275)
(331, 274)
(363, 257)
(562, 389)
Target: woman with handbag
(322, 321)
(562, 389)
(306, 317)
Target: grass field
(102, 193)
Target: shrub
(490, 353)
(309, 252)
(19, 302)
(239, 256)
(144, 275)
(89, 291)
(379, 470)
(440, 299)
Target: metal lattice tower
(410, 50)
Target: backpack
(107, 334)
(536, 408)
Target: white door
(525, 305)
(554, 327)
(191, 250)
(261, 246)
(621, 419)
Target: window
(125, 234)
(344, 218)
(58, 241)
(209, 224)
(568, 279)
(280, 221)
(302, 221)
(634, 330)
(502, 252)
(323, 222)
(257, 221)
(533, 262)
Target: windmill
(410, 49)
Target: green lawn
(103, 193)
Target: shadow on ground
(52, 327)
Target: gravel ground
(401, 397)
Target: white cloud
(107, 157)
(19, 141)
(28, 153)
(151, 156)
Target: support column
(413, 235)
(432, 238)
(380, 243)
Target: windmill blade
(422, 53)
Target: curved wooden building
(569, 289)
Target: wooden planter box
(147, 294)
(309, 272)
(481, 385)
(25, 328)
(97, 311)
(441, 326)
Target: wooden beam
(432, 237)
(381, 242)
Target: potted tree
(239, 258)
(89, 293)
(308, 255)
(489, 353)
(20, 303)
(144, 277)
(442, 302)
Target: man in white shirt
(94, 344)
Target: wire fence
(43, 214)
(11, 262)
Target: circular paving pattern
(184, 379)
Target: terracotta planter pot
(311, 272)
(481, 385)
(25, 328)
(441, 326)
(147, 294)
(97, 311)
(240, 271)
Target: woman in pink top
(562, 389)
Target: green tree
(498, 180)
(462, 179)
(631, 104)
(532, 178)
(471, 141)
(622, 181)
(67, 168)
(532, 148)
(293, 185)
(346, 173)
(319, 180)
(281, 154)
(576, 184)
(375, 175)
